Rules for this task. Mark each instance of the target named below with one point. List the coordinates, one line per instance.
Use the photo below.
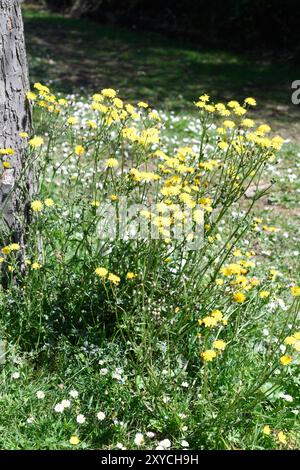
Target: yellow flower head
(208, 355)
(79, 150)
(217, 314)
(36, 142)
(295, 291)
(74, 440)
(91, 124)
(72, 120)
(31, 96)
(130, 275)
(24, 135)
(14, 247)
(49, 202)
(35, 266)
(109, 92)
(36, 206)
(101, 272)
(114, 279)
(250, 101)
(6, 250)
(267, 430)
(219, 344)
(208, 321)
(281, 437)
(142, 104)
(264, 294)
(286, 360)
(111, 163)
(7, 151)
(239, 297)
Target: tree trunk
(15, 117)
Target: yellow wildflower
(295, 291)
(239, 297)
(109, 92)
(250, 101)
(79, 150)
(101, 272)
(36, 142)
(281, 437)
(114, 279)
(49, 202)
(267, 430)
(130, 275)
(74, 440)
(111, 163)
(36, 206)
(286, 360)
(208, 355)
(219, 344)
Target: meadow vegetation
(185, 337)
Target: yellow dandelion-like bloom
(40, 87)
(6, 250)
(91, 124)
(130, 275)
(36, 206)
(109, 92)
(111, 163)
(7, 151)
(62, 102)
(35, 266)
(286, 360)
(74, 440)
(24, 135)
(289, 340)
(204, 98)
(208, 321)
(14, 247)
(101, 272)
(79, 150)
(281, 437)
(267, 430)
(142, 104)
(217, 314)
(264, 294)
(223, 145)
(72, 120)
(239, 297)
(250, 101)
(295, 291)
(36, 142)
(248, 123)
(219, 344)
(229, 124)
(49, 202)
(114, 278)
(31, 96)
(208, 355)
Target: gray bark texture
(15, 117)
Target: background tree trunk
(15, 117)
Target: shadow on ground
(82, 56)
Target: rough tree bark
(15, 117)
